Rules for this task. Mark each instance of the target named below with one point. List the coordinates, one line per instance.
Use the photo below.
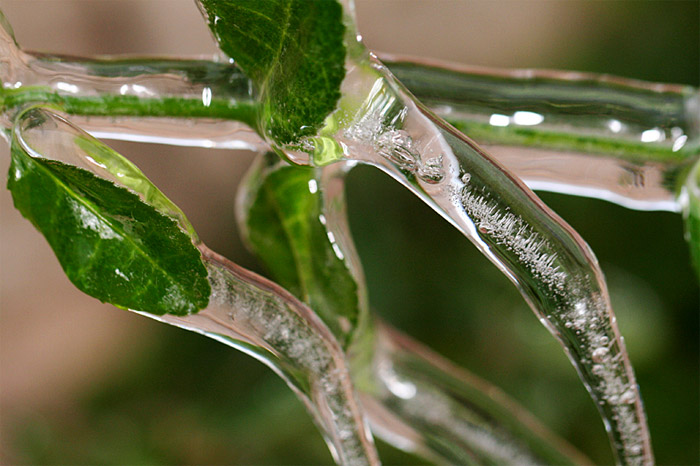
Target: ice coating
(134, 98)
(379, 131)
(127, 99)
(551, 265)
(413, 401)
(244, 311)
(437, 400)
(45, 134)
(401, 148)
(572, 132)
(256, 316)
(511, 231)
(398, 146)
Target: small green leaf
(131, 177)
(111, 244)
(294, 53)
(691, 214)
(284, 225)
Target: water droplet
(466, 178)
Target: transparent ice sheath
(553, 268)
(245, 311)
(414, 399)
(626, 141)
(420, 402)
(601, 136)
(380, 123)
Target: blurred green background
(84, 383)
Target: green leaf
(691, 214)
(111, 244)
(292, 50)
(131, 177)
(284, 225)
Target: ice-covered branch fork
(318, 97)
(628, 142)
(118, 238)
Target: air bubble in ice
(599, 354)
(635, 449)
(396, 145)
(431, 170)
(628, 397)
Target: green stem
(133, 87)
(558, 110)
(628, 130)
(585, 113)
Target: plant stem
(423, 403)
(555, 271)
(258, 317)
(559, 110)
(639, 136)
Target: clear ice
(550, 264)
(245, 311)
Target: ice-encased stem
(420, 402)
(560, 280)
(134, 98)
(244, 310)
(558, 110)
(258, 317)
(554, 269)
(415, 400)
(689, 198)
(543, 126)
(602, 136)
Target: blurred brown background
(82, 382)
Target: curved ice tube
(416, 401)
(601, 136)
(258, 317)
(538, 124)
(550, 264)
(245, 311)
(423, 403)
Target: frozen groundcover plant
(295, 84)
